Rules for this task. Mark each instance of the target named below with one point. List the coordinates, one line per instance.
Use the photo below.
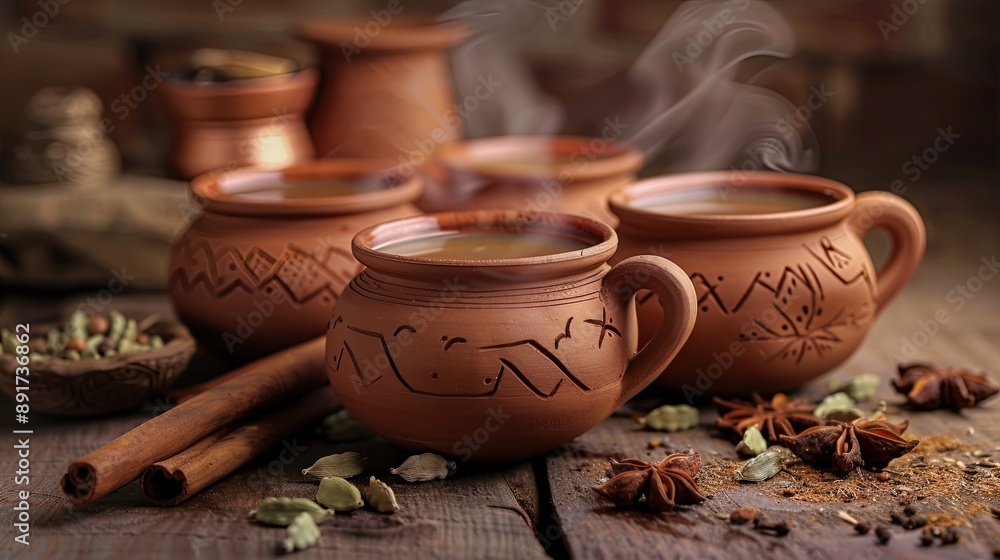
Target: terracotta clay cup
(786, 289)
(261, 268)
(568, 174)
(256, 122)
(498, 359)
(386, 90)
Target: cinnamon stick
(267, 381)
(171, 481)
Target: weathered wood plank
(478, 513)
(592, 528)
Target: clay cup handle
(906, 229)
(677, 295)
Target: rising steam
(679, 97)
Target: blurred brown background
(900, 72)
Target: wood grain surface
(546, 508)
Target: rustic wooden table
(545, 508)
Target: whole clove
(743, 515)
(915, 522)
(896, 517)
(862, 527)
(926, 537)
(884, 534)
(949, 535)
(780, 528)
(910, 510)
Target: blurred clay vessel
(570, 174)
(256, 121)
(262, 267)
(386, 89)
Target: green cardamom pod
(155, 342)
(343, 426)
(10, 342)
(93, 342)
(72, 355)
(753, 443)
(301, 533)
(131, 331)
(380, 497)
(671, 418)
(282, 511)
(343, 465)
(838, 406)
(77, 325)
(860, 388)
(338, 494)
(117, 328)
(761, 467)
(424, 467)
(56, 342)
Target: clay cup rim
(589, 158)
(215, 191)
(834, 202)
(401, 33)
(602, 240)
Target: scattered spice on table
(927, 387)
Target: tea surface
(297, 190)
(482, 245)
(738, 203)
(526, 163)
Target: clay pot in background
(537, 173)
(426, 351)
(784, 295)
(255, 273)
(387, 90)
(255, 122)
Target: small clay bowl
(97, 386)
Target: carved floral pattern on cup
(302, 275)
(540, 369)
(804, 325)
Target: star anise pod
(665, 484)
(777, 417)
(848, 445)
(927, 387)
